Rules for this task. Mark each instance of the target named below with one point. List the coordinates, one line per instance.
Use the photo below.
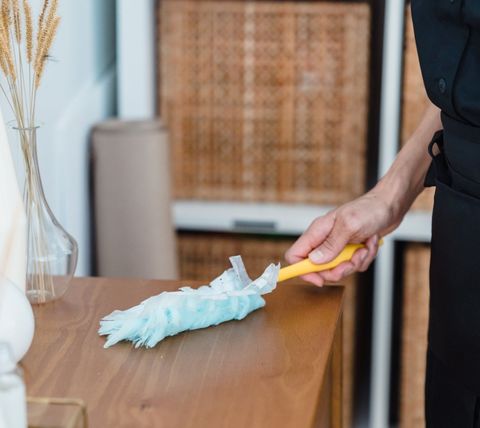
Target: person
(445, 152)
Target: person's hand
(363, 220)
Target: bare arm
(404, 180)
(374, 214)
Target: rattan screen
(266, 101)
(414, 335)
(414, 101)
(203, 256)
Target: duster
(231, 296)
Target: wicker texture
(203, 256)
(266, 101)
(414, 101)
(414, 335)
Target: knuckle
(357, 265)
(320, 220)
(351, 221)
(364, 266)
(333, 276)
(317, 222)
(289, 256)
(329, 244)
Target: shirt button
(442, 85)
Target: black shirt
(447, 33)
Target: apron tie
(438, 169)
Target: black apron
(447, 34)
(454, 329)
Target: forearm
(404, 180)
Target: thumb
(331, 247)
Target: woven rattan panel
(414, 101)
(414, 335)
(203, 256)
(266, 101)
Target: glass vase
(51, 252)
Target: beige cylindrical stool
(135, 235)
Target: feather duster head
(231, 296)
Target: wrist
(395, 191)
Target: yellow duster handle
(306, 266)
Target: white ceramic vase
(16, 319)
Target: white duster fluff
(231, 296)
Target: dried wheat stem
(3, 52)
(17, 25)
(41, 18)
(5, 48)
(27, 10)
(52, 13)
(45, 26)
(49, 37)
(6, 15)
(17, 70)
(6, 97)
(28, 30)
(3, 65)
(16, 21)
(5, 33)
(7, 55)
(18, 107)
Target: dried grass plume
(24, 52)
(27, 10)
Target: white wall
(78, 91)
(136, 59)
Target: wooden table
(273, 369)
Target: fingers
(359, 262)
(338, 273)
(311, 238)
(333, 243)
(358, 258)
(314, 278)
(334, 275)
(372, 247)
(330, 276)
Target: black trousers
(452, 387)
(448, 403)
(454, 320)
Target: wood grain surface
(265, 371)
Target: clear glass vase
(51, 252)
